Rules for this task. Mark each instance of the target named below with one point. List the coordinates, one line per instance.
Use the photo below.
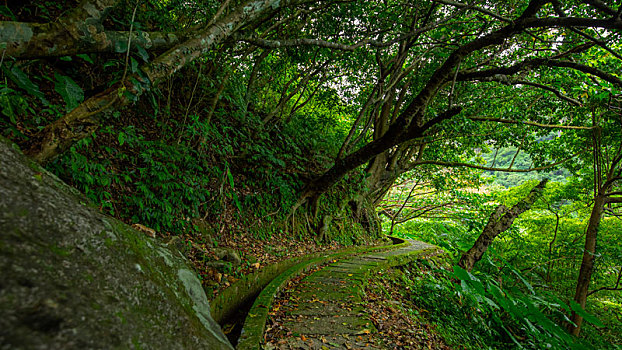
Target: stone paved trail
(325, 310)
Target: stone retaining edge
(241, 292)
(409, 257)
(255, 323)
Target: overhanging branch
(475, 8)
(481, 167)
(538, 62)
(540, 125)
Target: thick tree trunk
(499, 222)
(86, 118)
(398, 133)
(587, 265)
(34, 40)
(410, 124)
(377, 172)
(81, 25)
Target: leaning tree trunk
(86, 118)
(80, 31)
(34, 40)
(411, 124)
(499, 222)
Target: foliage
(478, 314)
(525, 282)
(345, 99)
(179, 168)
(160, 185)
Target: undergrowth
(496, 306)
(175, 166)
(473, 312)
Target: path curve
(325, 310)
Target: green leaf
(111, 63)
(491, 303)
(134, 64)
(23, 82)
(581, 312)
(142, 53)
(71, 93)
(120, 46)
(122, 138)
(86, 58)
(498, 295)
(463, 274)
(5, 11)
(230, 178)
(527, 284)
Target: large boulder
(72, 278)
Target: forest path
(325, 310)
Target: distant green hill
(504, 158)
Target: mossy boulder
(72, 278)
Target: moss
(257, 316)
(110, 285)
(119, 314)
(60, 251)
(108, 242)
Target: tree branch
(423, 210)
(616, 287)
(504, 79)
(613, 200)
(275, 44)
(601, 6)
(85, 119)
(538, 62)
(280, 43)
(480, 167)
(600, 43)
(475, 8)
(532, 8)
(540, 125)
(44, 39)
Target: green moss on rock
(75, 279)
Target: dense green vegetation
(220, 121)
(518, 295)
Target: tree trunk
(587, 265)
(34, 40)
(397, 134)
(499, 222)
(81, 25)
(86, 118)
